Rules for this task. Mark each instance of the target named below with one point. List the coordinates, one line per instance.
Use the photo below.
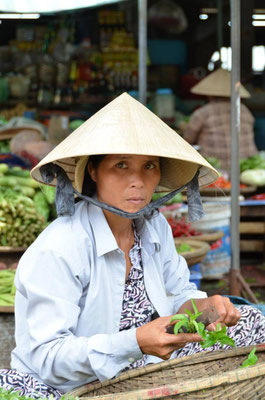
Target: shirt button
(131, 359)
(121, 282)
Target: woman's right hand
(153, 338)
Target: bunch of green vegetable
(176, 199)
(12, 395)
(183, 248)
(7, 287)
(215, 162)
(187, 323)
(5, 146)
(253, 162)
(20, 223)
(19, 180)
(254, 177)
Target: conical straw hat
(218, 83)
(125, 126)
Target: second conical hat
(125, 126)
(218, 83)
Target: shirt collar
(105, 240)
(149, 238)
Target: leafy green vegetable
(251, 360)
(219, 335)
(5, 146)
(18, 171)
(49, 193)
(188, 323)
(176, 199)
(183, 247)
(11, 395)
(42, 205)
(215, 162)
(253, 162)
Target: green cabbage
(254, 177)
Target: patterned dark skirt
(249, 330)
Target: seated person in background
(209, 125)
(96, 291)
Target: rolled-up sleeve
(53, 292)
(177, 275)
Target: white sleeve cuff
(110, 354)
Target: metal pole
(142, 35)
(235, 132)
(219, 26)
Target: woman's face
(126, 181)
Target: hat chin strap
(65, 204)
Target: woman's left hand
(228, 314)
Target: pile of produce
(214, 161)
(254, 177)
(223, 183)
(5, 146)
(26, 207)
(183, 248)
(253, 162)
(176, 199)
(7, 113)
(7, 287)
(181, 228)
(20, 222)
(253, 170)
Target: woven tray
(216, 191)
(205, 375)
(209, 237)
(200, 249)
(8, 249)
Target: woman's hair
(89, 187)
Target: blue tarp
(236, 300)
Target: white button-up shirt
(70, 285)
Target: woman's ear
(91, 171)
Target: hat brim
(218, 84)
(125, 126)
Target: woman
(97, 289)
(209, 126)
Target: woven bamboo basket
(198, 253)
(209, 237)
(206, 375)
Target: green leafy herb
(187, 323)
(12, 395)
(251, 360)
(219, 335)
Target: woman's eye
(149, 166)
(121, 164)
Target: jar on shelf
(164, 104)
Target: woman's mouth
(136, 200)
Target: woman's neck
(122, 228)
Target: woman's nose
(136, 180)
